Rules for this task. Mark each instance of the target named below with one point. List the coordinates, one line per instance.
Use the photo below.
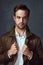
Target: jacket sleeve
(37, 53)
(3, 53)
(39, 50)
(5, 44)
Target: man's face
(21, 18)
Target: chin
(21, 27)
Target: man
(20, 46)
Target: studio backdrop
(36, 15)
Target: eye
(18, 17)
(25, 17)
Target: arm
(37, 53)
(26, 51)
(39, 50)
(36, 46)
(3, 53)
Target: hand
(26, 51)
(13, 50)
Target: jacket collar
(28, 34)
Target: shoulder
(36, 37)
(32, 35)
(36, 40)
(9, 33)
(6, 36)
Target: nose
(21, 19)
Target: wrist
(9, 54)
(30, 56)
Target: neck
(20, 31)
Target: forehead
(21, 13)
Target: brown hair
(22, 7)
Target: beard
(21, 26)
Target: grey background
(36, 16)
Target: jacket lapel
(28, 35)
(12, 35)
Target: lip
(21, 23)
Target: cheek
(25, 21)
(16, 21)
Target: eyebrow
(23, 17)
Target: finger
(25, 46)
(16, 46)
(13, 47)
